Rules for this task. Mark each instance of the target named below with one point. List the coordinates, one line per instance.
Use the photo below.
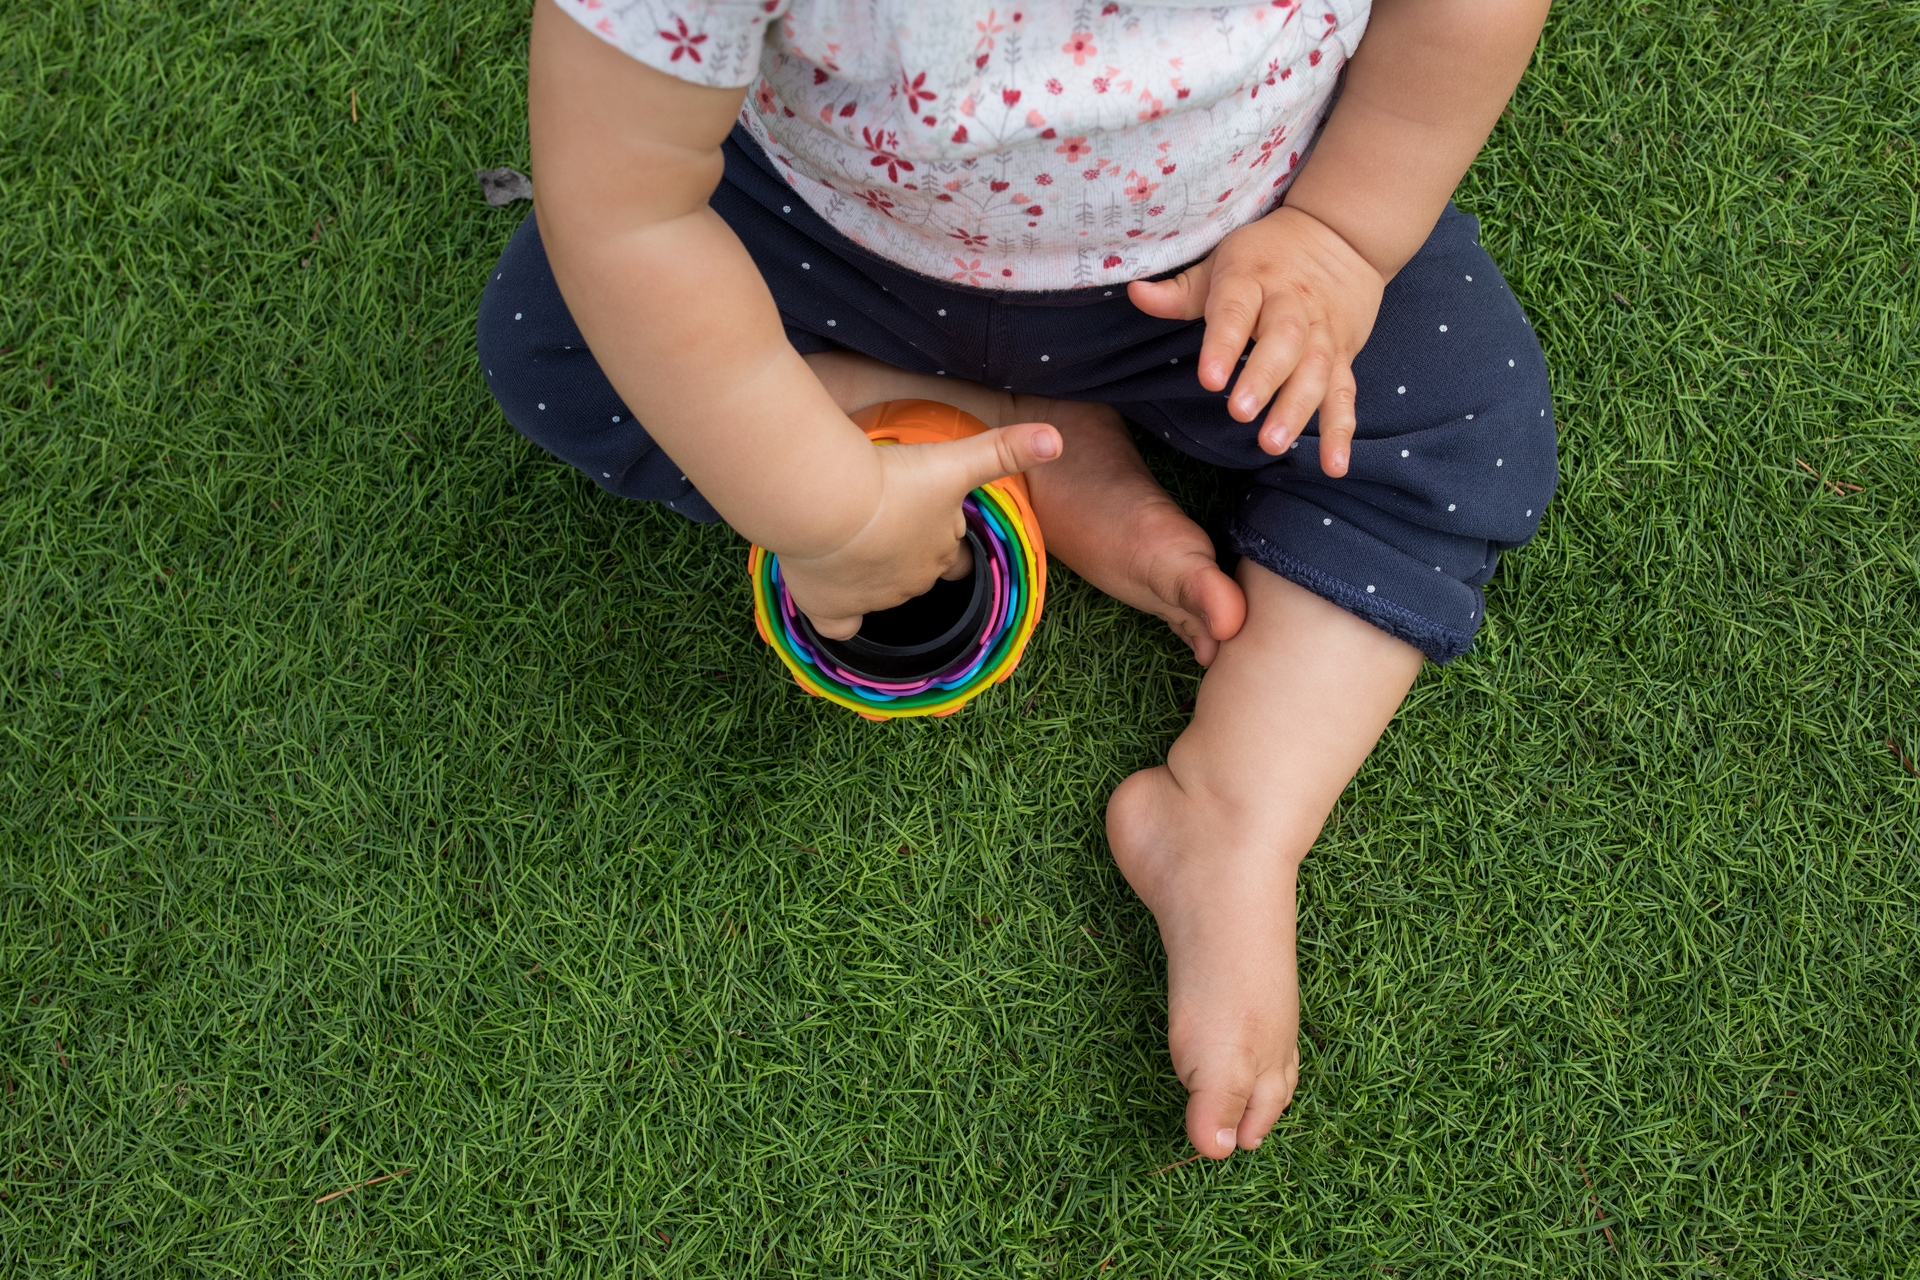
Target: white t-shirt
(1042, 144)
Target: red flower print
(970, 239)
(1099, 84)
(1043, 179)
(915, 89)
(1054, 86)
(1009, 96)
(848, 109)
(1049, 134)
(1273, 70)
(1073, 149)
(1034, 211)
(1138, 188)
(1153, 111)
(1184, 93)
(1080, 45)
(1168, 168)
(969, 272)
(1156, 211)
(763, 98)
(819, 75)
(1090, 174)
(1108, 10)
(960, 134)
(988, 29)
(1223, 195)
(1273, 140)
(1135, 232)
(944, 196)
(1111, 261)
(997, 185)
(1313, 59)
(877, 201)
(1006, 271)
(684, 42)
(928, 120)
(882, 144)
(980, 62)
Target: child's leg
(1103, 514)
(1212, 840)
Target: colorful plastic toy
(935, 653)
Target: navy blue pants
(1453, 460)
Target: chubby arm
(673, 308)
(1423, 91)
(670, 304)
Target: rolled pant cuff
(1440, 643)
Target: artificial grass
(376, 794)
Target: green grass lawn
(376, 794)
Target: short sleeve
(710, 42)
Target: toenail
(1255, 1144)
(1224, 1138)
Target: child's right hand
(916, 532)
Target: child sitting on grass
(754, 217)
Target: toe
(1214, 598)
(1213, 1120)
(1271, 1094)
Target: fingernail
(1046, 445)
(1224, 1138)
(1255, 1144)
(1340, 460)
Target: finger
(836, 628)
(1004, 451)
(1271, 363)
(1302, 394)
(962, 561)
(1233, 309)
(1337, 422)
(1182, 298)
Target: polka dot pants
(1453, 461)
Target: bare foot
(1212, 841)
(1223, 899)
(1109, 521)
(1103, 513)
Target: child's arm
(1423, 92)
(675, 312)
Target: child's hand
(917, 530)
(1308, 299)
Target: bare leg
(1104, 515)
(1212, 840)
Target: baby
(1229, 224)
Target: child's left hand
(1309, 300)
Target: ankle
(1241, 809)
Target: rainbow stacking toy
(935, 653)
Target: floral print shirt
(1031, 145)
